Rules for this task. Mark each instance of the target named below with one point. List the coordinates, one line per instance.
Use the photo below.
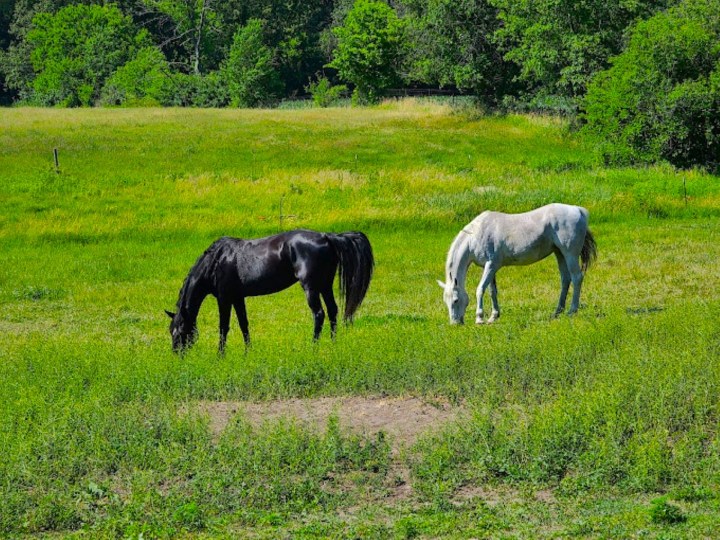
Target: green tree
(370, 48)
(190, 30)
(661, 97)
(15, 65)
(76, 49)
(452, 43)
(293, 29)
(560, 44)
(6, 10)
(249, 70)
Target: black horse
(231, 269)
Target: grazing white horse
(493, 240)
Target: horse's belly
(527, 257)
(267, 284)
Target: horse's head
(456, 299)
(183, 331)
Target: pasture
(602, 425)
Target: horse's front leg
(488, 278)
(313, 300)
(241, 313)
(224, 307)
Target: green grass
(606, 411)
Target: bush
(324, 93)
(661, 97)
(189, 90)
(143, 80)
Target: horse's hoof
(479, 321)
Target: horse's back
(258, 266)
(526, 237)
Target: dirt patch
(403, 419)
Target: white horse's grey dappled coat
(494, 239)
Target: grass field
(603, 425)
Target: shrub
(324, 93)
(190, 90)
(661, 97)
(142, 80)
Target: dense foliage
(249, 71)
(661, 97)
(559, 44)
(76, 50)
(455, 45)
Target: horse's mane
(464, 232)
(203, 268)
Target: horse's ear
(170, 314)
(442, 285)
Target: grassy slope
(605, 409)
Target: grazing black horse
(231, 269)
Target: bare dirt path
(403, 419)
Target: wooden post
(57, 161)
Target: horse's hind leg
(576, 276)
(313, 300)
(332, 310)
(564, 283)
(224, 307)
(241, 313)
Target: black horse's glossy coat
(231, 269)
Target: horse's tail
(355, 267)
(589, 251)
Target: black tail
(589, 251)
(356, 267)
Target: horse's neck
(459, 259)
(192, 295)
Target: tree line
(642, 76)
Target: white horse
(494, 239)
